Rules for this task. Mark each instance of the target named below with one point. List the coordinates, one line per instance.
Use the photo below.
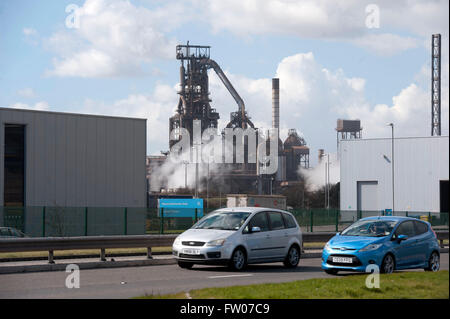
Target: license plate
(344, 260)
(191, 251)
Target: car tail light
(434, 233)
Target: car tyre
(332, 271)
(433, 262)
(293, 257)
(388, 264)
(238, 260)
(185, 265)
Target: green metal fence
(92, 221)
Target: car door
(279, 238)
(422, 239)
(406, 250)
(258, 242)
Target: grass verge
(402, 285)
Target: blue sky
(121, 61)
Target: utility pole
(392, 164)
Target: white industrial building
(421, 174)
(71, 160)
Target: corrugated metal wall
(80, 160)
(419, 165)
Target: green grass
(402, 285)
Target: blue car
(391, 243)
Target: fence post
(125, 230)
(43, 221)
(85, 221)
(161, 230)
(429, 217)
(196, 215)
(311, 220)
(407, 214)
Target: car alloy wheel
(238, 259)
(434, 262)
(388, 265)
(293, 257)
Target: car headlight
(327, 246)
(217, 242)
(371, 247)
(177, 241)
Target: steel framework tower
(436, 84)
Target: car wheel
(388, 264)
(433, 262)
(293, 257)
(185, 265)
(238, 260)
(331, 271)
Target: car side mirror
(255, 229)
(401, 238)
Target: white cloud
(386, 44)
(29, 32)
(27, 93)
(39, 106)
(156, 108)
(114, 38)
(333, 20)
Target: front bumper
(206, 255)
(359, 263)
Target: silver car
(240, 236)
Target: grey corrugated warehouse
(421, 174)
(71, 159)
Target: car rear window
(289, 221)
(421, 228)
(276, 221)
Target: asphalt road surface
(138, 281)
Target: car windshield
(222, 220)
(370, 228)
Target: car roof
(393, 218)
(249, 209)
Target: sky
(352, 59)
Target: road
(137, 281)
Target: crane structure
(194, 101)
(436, 84)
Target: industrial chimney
(276, 103)
(321, 152)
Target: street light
(392, 152)
(327, 180)
(185, 173)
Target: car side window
(406, 228)
(259, 220)
(289, 221)
(276, 221)
(421, 228)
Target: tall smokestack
(321, 152)
(276, 103)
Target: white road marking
(228, 276)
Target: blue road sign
(180, 207)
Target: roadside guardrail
(51, 244)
